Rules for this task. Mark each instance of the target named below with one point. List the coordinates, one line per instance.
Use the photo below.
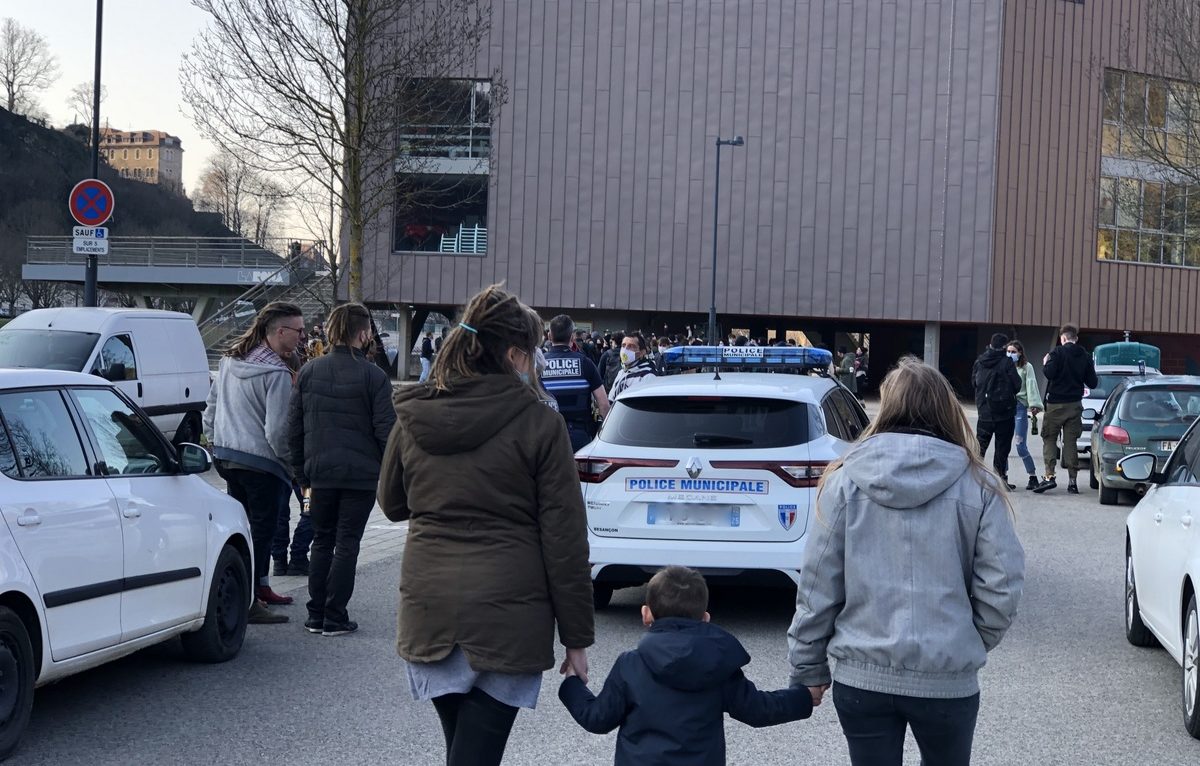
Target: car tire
(1136, 631)
(1093, 482)
(188, 431)
(601, 595)
(220, 637)
(1191, 669)
(17, 673)
(1108, 495)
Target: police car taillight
(804, 473)
(593, 470)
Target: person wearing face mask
(635, 367)
(996, 382)
(341, 399)
(497, 551)
(1029, 404)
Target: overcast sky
(143, 43)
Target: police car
(715, 470)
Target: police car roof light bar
(794, 359)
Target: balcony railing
(446, 141)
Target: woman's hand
(576, 664)
(818, 693)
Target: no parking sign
(91, 202)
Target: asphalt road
(1063, 688)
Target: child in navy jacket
(670, 695)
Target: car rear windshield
(707, 422)
(1162, 404)
(1108, 381)
(46, 349)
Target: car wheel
(16, 680)
(188, 431)
(1093, 482)
(601, 595)
(220, 637)
(1136, 631)
(1108, 495)
(1191, 669)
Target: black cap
(999, 340)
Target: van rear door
(162, 389)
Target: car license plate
(1169, 446)
(692, 515)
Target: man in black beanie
(996, 384)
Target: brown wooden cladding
(1048, 172)
(865, 189)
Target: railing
(468, 239)
(447, 141)
(192, 252)
(239, 313)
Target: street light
(712, 306)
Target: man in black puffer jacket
(340, 418)
(670, 695)
(996, 382)
(1068, 368)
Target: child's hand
(575, 664)
(818, 692)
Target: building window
(443, 118)
(150, 154)
(137, 154)
(124, 154)
(442, 214)
(1143, 221)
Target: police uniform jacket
(497, 551)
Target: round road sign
(91, 202)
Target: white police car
(714, 470)
(109, 544)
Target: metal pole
(92, 268)
(712, 306)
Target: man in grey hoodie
(246, 422)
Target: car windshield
(46, 349)
(1159, 404)
(1108, 381)
(707, 422)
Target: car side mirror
(193, 459)
(115, 372)
(1091, 414)
(1141, 466)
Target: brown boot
(260, 615)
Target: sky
(143, 43)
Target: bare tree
(26, 65)
(321, 89)
(248, 201)
(45, 295)
(80, 102)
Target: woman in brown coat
(497, 550)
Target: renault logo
(694, 467)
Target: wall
(865, 188)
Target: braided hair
(492, 322)
(264, 324)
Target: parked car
(1115, 362)
(1143, 414)
(1162, 563)
(110, 541)
(155, 357)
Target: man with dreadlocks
(246, 420)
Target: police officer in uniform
(573, 380)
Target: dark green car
(1142, 414)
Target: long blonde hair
(915, 397)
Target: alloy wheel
(1191, 671)
(1130, 592)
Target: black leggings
(476, 727)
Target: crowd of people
(478, 459)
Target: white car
(109, 542)
(1162, 562)
(714, 471)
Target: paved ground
(1064, 687)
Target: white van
(155, 357)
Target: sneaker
(1048, 484)
(260, 615)
(340, 630)
(1005, 480)
(1072, 488)
(1033, 482)
(281, 568)
(272, 598)
(298, 568)
(314, 626)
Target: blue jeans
(1022, 439)
(875, 723)
(426, 365)
(304, 531)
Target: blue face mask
(1014, 357)
(524, 376)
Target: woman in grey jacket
(911, 574)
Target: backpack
(996, 393)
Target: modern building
(152, 156)
(925, 172)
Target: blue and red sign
(91, 202)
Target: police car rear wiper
(700, 439)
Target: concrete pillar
(202, 304)
(933, 343)
(402, 329)
(143, 301)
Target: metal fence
(193, 252)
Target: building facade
(152, 156)
(926, 172)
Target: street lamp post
(712, 306)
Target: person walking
(341, 399)
(246, 419)
(1068, 369)
(996, 383)
(1029, 404)
(911, 502)
(426, 357)
(635, 367)
(497, 550)
(861, 361)
(845, 370)
(574, 382)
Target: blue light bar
(748, 357)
